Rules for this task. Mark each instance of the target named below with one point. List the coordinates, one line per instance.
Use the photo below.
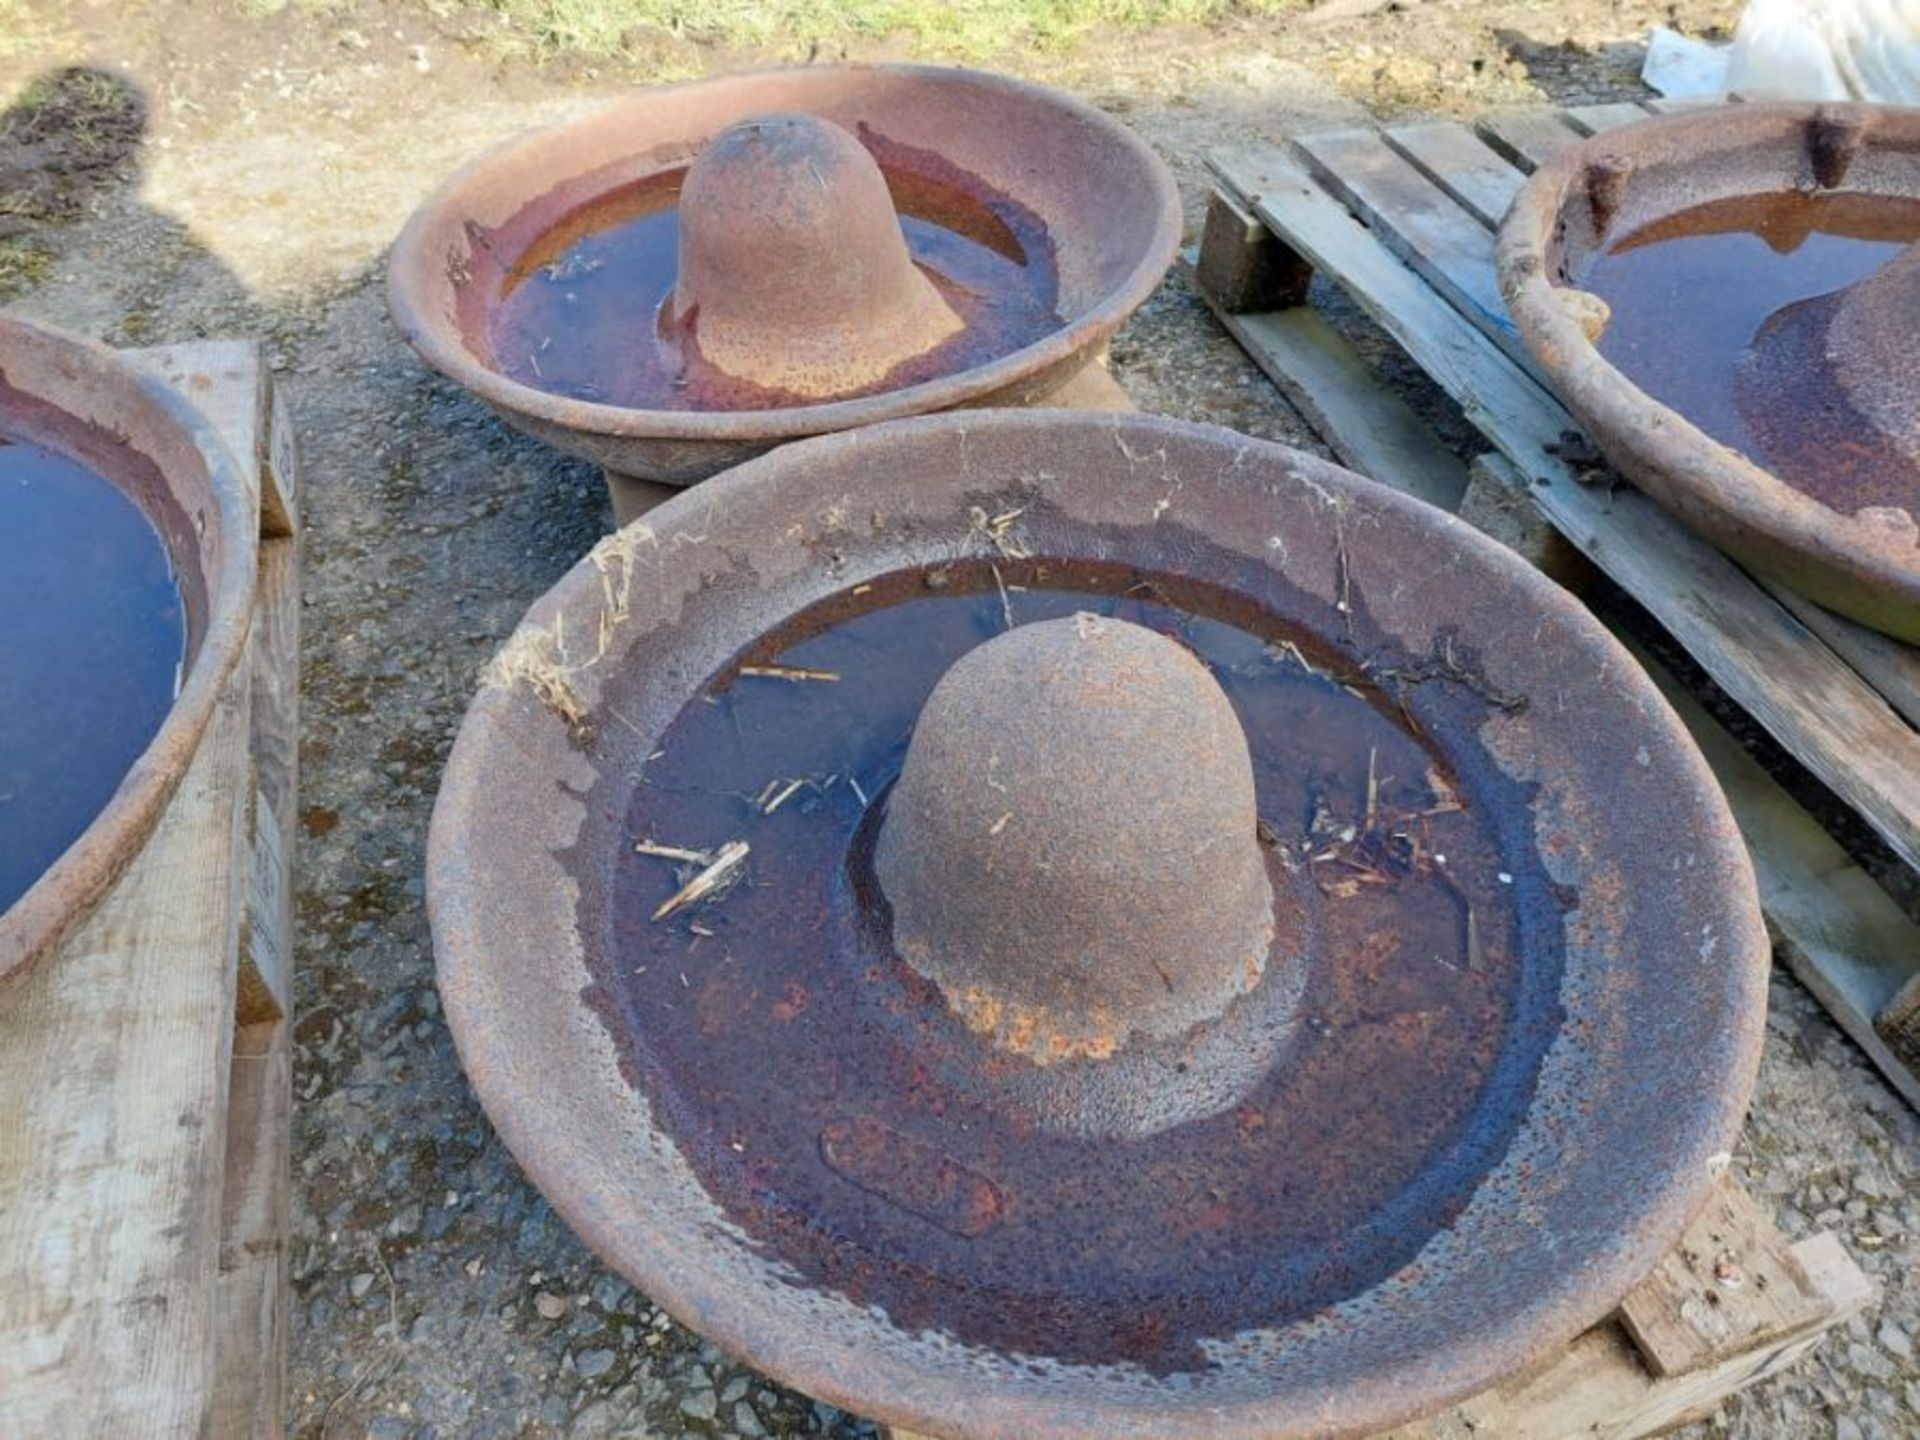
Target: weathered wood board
(144, 1067)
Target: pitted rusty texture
(1824, 497)
(1070, 854)
(793, 272)
(1856, 345)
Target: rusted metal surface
(1847, 357)
(1106, 204)
(81, 400)
(1531, 963)
(1071, 854)
(1850, 538)
(792, 263)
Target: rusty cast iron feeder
(1725, 299)
(701, 272)
(80, 405)
(1119, 929)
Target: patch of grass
(69, 137)
(961, 30)
(23, 265)
(24, 29)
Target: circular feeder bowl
(711, 939)
(80, 401)
(774, 227)
(1762, 391)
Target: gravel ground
(434, 1292)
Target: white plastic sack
(1827, 50)
(1683, 68)
(1799, 50)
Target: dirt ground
(256, 194)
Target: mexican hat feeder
(127, 542)
(1040, 923)
(698, 273)
(1726, 299)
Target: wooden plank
(1371, 429)
(280, 488)
(264, 987)
(1434, 235)
(1527, 137)
(1241, 267)
(1731, 1285)
(1598, 119)
(228, 382)
(1094, 388)
(1802, 693)
(114, 1065)
(1599, 1389)
(250, 1296)
(1890, 666)
(1836, 929)
(1420, 223)
(1496, 504)
(1480, 179)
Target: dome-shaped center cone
(794, 274)
(1071, 852)
(1872, 348)
(1831, 383)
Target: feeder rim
(69, 889)
(414, 276)
(693, 1286)
(1737, 502)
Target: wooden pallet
(1730, 1305)
(1403, 221)
(144, 1068)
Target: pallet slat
(250, 1319)
(1598, 119)
(1477, 176)
(1420, 223)
(1838, 931)
(229, 384)
(1528, 137)
(1599, 1387)
(1730, 1286)
(1891, 667)
(1327, 383)
(1803, 694)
